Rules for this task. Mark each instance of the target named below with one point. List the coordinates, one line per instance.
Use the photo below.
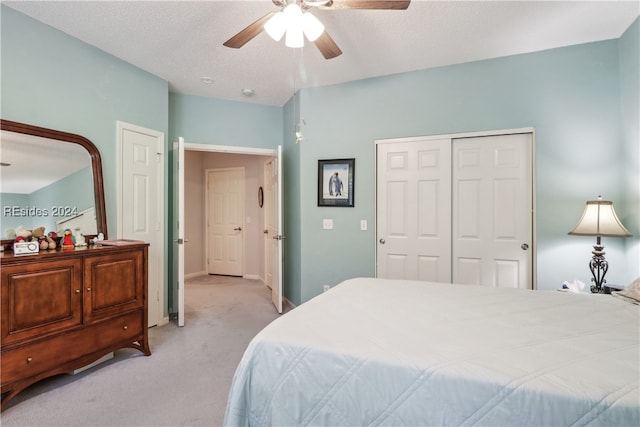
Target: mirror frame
(94, 153)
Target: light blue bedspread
(401, 353)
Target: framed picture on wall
(336, 182)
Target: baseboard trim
(288, 304)
(197, 274)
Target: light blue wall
(52, 80)
(571, 96)
(630, 105)
(213, 121)
(292, 202)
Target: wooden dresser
(61, 310)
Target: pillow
(631, 293)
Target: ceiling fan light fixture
(311, 26)
(294, 37)
(294, 23)
(276, 26)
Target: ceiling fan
(294, 20)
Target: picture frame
(336, 186)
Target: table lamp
(599, 219)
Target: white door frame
(160, 197)
(218, 149)
(452, 136)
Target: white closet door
(492, 209)
(413, 210)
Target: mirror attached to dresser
(66, 307)
(49, 179)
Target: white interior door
(413, 210)
(274, 231)
(225, 220)
(493, 208)
(141, 203)
(178, 173)
(269, 219)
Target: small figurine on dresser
(22, 234)
(38, 235)
(53, 239)
(80, 240)
(68, 240)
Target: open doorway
(198, 254)
(188, 213)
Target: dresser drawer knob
(77, 291)
(29, 359)
(88, 289)
(125, 327)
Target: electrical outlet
(326, 288)
(327, 224)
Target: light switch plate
(327, 224)
(363, 224)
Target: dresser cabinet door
(112, 284)
(40, 298)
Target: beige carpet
(184, 382)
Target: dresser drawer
(100, 338)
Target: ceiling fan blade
(248, 33)
(367, 4)
(327, 46)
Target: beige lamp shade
(599, 219)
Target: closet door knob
(524, 246)
(382, 241)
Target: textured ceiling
(181, 41)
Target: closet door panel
(492, 204)
(413, 214)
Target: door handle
(524, 246)
(181, 241)
(237, 229)
(382, 241)
(265, 232)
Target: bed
(408, 353)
